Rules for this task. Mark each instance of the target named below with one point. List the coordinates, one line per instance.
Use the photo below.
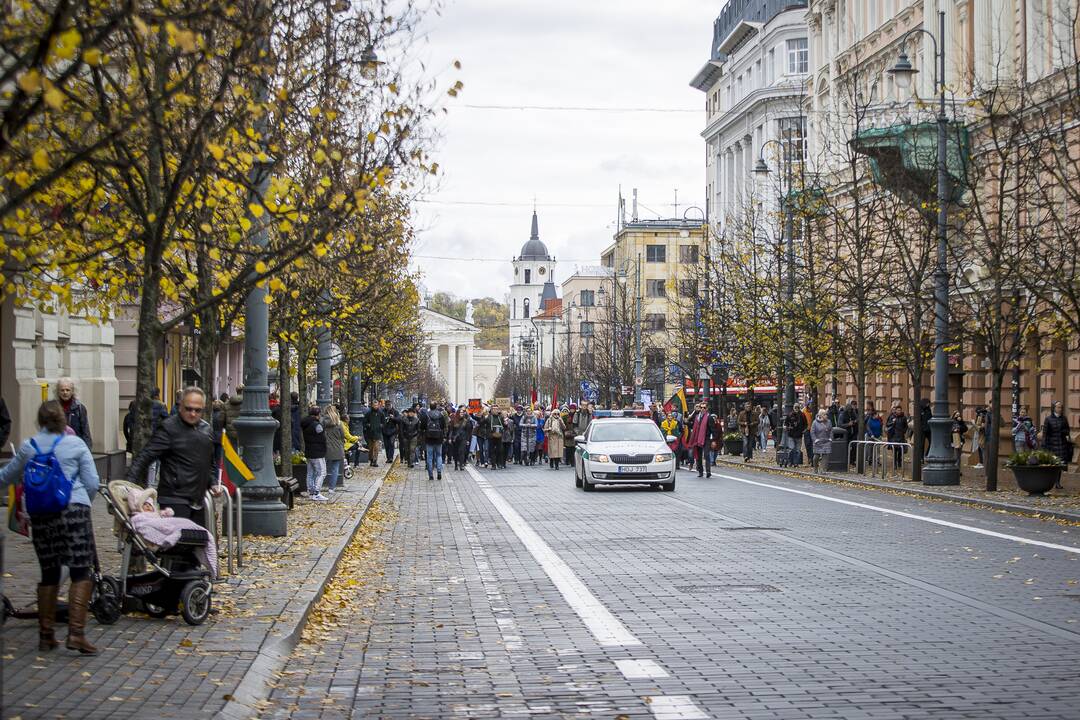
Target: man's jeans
(333, 472)
(748, 446)
(388, 443)
(316, 471)
(433, 456)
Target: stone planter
(733, 447)
(1036, 479)
(299, 473)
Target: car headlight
(662, 457)
(600, 458)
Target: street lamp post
(789, 231)
(637, 335)
(942, 466)
(263, 513)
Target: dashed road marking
(640, 669)
(675, 707)
(912, 516)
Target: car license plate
(632, 468)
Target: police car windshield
(644, 431)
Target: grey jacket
(75, 460)
(335, 441)
(821, 435)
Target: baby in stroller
(161, 528)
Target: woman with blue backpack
(59, 483)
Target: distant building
(534, 272)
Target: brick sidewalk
(166, 668)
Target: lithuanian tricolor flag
(234, 473)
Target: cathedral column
(451, 373)
(468, 380)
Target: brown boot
(46, 607)
(78, 603)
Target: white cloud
(599, 53)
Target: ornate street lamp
(942, 466)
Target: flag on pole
(532, 399)
(681, 394)
(234, 472)
(555, 397)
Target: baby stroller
(177, 581)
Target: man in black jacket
(389, 430)
(795, 426)
(373, 431)
(315, 452)
(433, 426)
(184, 445)
(409, 428)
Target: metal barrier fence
(879, 457)
(233, 525)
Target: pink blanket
(165, 532)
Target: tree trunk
(994, 442)
(303, 352)
(150, 335)
(916, 435)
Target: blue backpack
(45, 487)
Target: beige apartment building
(660, 262)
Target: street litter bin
(838, 451)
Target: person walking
(184, 446)
(821, 437)
(297, 438)
(315, 451)
(795, 426)
(1056, 437)
(410, 429)
(748, 428)
(874, 429)
(527, 432)
(896, 432)
(78, 418)
(553, 431)
(373, 431)
(926, 414)
(509, 429)
(389, 430)
(958, 431)
(764, 426)
(517, 417)
(461, 433)
(1025, 437)
(433, 426)
(977, 435)
(334, 430)
(807, 441)
(65, 538)
(568, 434)
(702, 430)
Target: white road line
(640, 669)
(604, 626)
(676, 707)
(912, 516)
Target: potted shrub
(733, 442)
(1036, 471)
(299, 468)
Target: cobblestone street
(509, 593)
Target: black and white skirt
(64, 539)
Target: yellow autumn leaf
(40, 159)
(260, 267)
(216, 150)
(54, 98)
(30, 81)
(92, 57)
(256, 210)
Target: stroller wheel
(195, 602)
(107, 605)
(347, 472)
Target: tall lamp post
(941, 466)
(761, 168)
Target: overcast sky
(579, 53)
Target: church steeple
(535, 228)
(534, 249)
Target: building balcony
(903, 158)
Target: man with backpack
(184, 444)
(433, 425)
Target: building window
(688, 288)
(655, 253)
(770, 67)
(587, 298)
(528, 276)
(798, 56)
(655, 288)
(792, 134)
(688, 254)
(513, 312)
(525, 304)
(586, 329)
(655, 321)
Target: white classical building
(466, 370)
(754, 82)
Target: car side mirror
(671, 438)
(579, 439)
